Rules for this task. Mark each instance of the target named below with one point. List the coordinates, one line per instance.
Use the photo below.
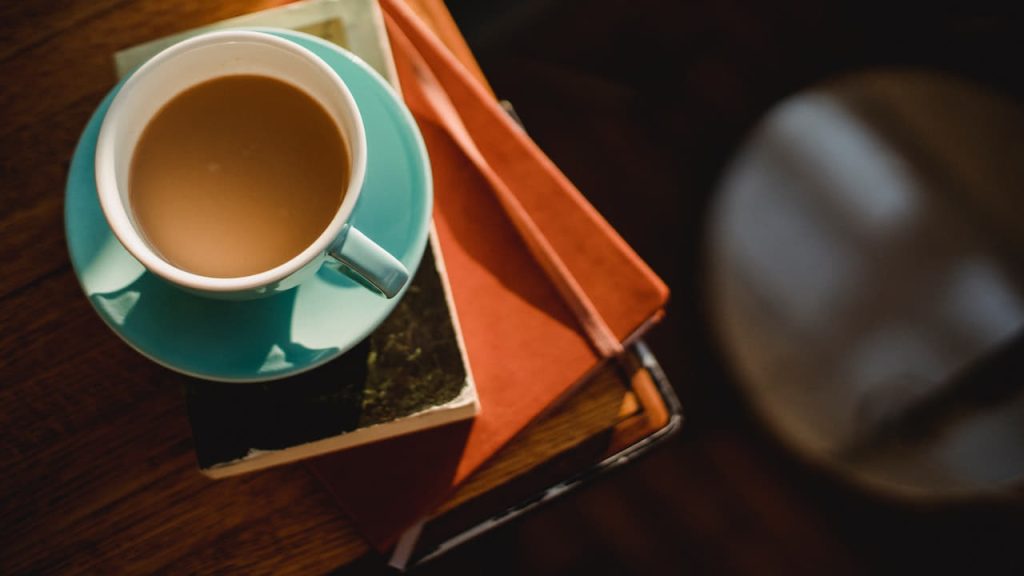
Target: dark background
(642, 103)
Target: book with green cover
(409, 375)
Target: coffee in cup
(237, 175)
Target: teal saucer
(278, 336)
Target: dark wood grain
(99, 473)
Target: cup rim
(116, 211)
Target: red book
(525, 347)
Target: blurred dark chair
(864, 272)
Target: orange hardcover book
(524, 344)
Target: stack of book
(481, 327)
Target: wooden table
(99, 474)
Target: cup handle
(367, 263)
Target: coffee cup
(232, 53)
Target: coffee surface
(237, 175)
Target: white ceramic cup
(226, 53)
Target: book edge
(453, 312)
(261, 460)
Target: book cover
(525, 346)
(409, 375)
